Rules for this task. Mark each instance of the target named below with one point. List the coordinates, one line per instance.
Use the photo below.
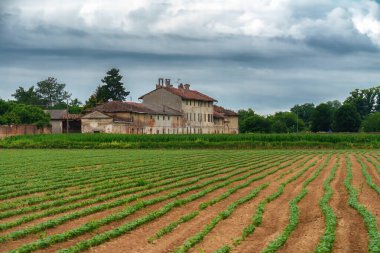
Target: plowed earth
(42, 208)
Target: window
(208, 117)
(177, 118)
(187, 102)
(168, 117)
(190, 116)
(194, 116)
(151, 117)
(158, 117)
(163, 117)
(190, 102)
(204, 117)
(158, 131)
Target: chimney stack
(187, 86)
(167, 82)
(160, 83)
(180, 86)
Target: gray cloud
(264, 55)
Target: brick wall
(10, 130)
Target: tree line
(359, 112)
(28, 104)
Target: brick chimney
(187, 86)
(180, 86)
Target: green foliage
(211, 141)
(321, 119)
(372, 123)
(48, 94)
(28, 97)
(286, 122)
(243, 115)
(52, 92)
(281, 122)
(347, 119)
(366, 101)
(111, 90)
(256, 124)
(14, 113)
(304, 112)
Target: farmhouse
(165, 110)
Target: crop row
(256, 220)
(73, 181)
(167, 229)
(84, 212)
(369, 218)
(326, 242)
(117, 182)
(132, 209)
(294, 212)
(164, 172)
(172, 183)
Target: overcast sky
(263, 54)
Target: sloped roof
(220, 112)
(96, 115)
(119, 106)
(185, 94)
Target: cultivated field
(189, 201)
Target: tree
(321, 119)
(372, 123)
(366, 101)
(347, 119)
(52, 93)
(334, 105)
(286, 122)
(304, 112)
(17, 113)
(28, 97)
(256, 124)
(75, 106)
(243, 115)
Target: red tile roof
(221, 112)
(185, 94)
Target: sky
(265, 54)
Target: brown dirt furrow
(366, 195)
(372, 170)
(136, 241)
(351, 234)
(231, 227)
(276, 216)
(81, 221)
(311, 225)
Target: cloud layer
(265, 54)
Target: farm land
(116, 200)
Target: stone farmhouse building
(165, 110)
